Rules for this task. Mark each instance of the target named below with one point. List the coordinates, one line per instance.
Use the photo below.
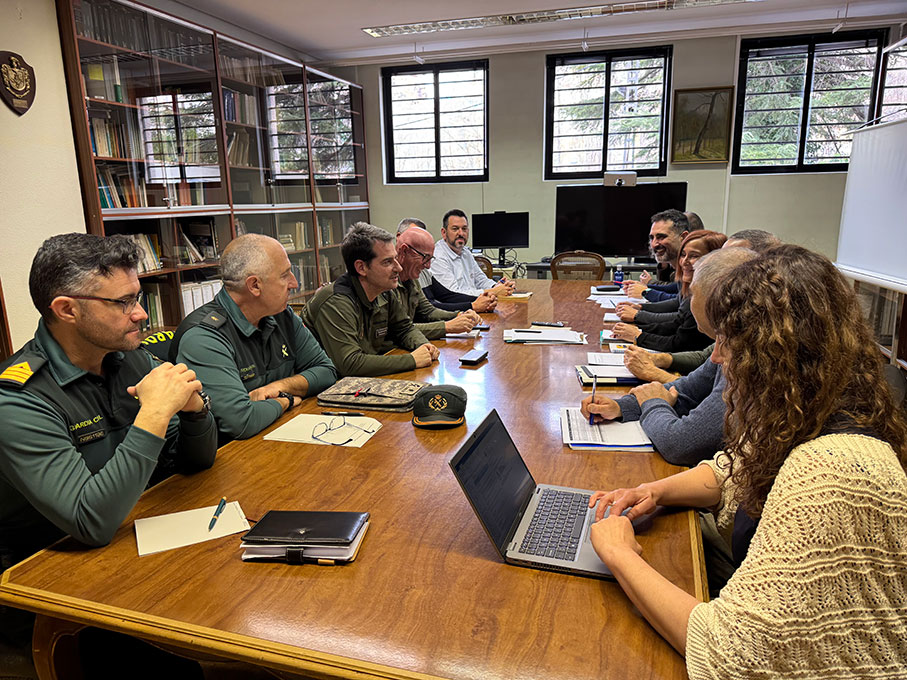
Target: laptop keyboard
(557, 525)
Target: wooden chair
(578, 264)
(484, 264)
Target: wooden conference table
(428, 596)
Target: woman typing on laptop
(811, 483)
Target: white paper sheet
(576, 431)
(353, 431)
(178, 529)
(604, 359)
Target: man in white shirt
(455, 267)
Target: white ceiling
(331, 31)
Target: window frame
(811, 40)
(387, 74)
(552, 61)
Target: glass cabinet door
(288, 144)
(337, 139)
(243, 81)
(148, 86)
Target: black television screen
(500, 230)
(612, 221)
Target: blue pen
(594, 385)
(220, 509)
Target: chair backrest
(485, 265)
(578, 264)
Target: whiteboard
(872, 242)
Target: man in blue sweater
(684, 419)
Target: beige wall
(804, 209)
(39, 184)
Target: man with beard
(669, 229)
(455, 267)
(253, 354)
(359, 317)
(87, 415)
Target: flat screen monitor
(612, 221)
(500, 230)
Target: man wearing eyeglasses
(439, 295)
(359, 317)
(254, 355)
(89, 419)
(415, 248)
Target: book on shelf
(120, 188)
(112, 23)
(238, 148)
(200, 240)
(112, 138)
(286, 240)
(195, 294)
(240, 107)
(325, 227)
(102, 80)
(150, 245)
(153, 306)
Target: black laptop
(532, 525)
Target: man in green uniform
(359, 317)
(415, 248)
(87, 416)
(252, 353)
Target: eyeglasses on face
(127, 303)
(426, 258)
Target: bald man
(254, 356)
(415, 250)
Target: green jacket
(232, 357)
(355, 332)
(71, 461)
(426, 317)
(687, 362)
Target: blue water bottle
(619, 274)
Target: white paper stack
(577, 433)
(604, 359)
(544, 335)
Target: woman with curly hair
(669, 326)
(812, 479)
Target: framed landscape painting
(702, 125)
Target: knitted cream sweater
(822, 592)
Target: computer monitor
(500, 230)
(612, 221)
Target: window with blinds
(800, 99)
(607, 111)
(179, 136)
(894, 94)
(436, 122)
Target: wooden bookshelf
(178, 127)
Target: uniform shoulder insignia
(214, 320)
(20, 372)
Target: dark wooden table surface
(428, 595)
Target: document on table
(577, 433)
(517, 295)
(465, 334)
(606, 335)
(609, 371)
(611, 317)
(604, 359)
(307, 428)
(593, 293)
(544, 335)
(178, 529)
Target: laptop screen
(494, 478)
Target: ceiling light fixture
(541, 17)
